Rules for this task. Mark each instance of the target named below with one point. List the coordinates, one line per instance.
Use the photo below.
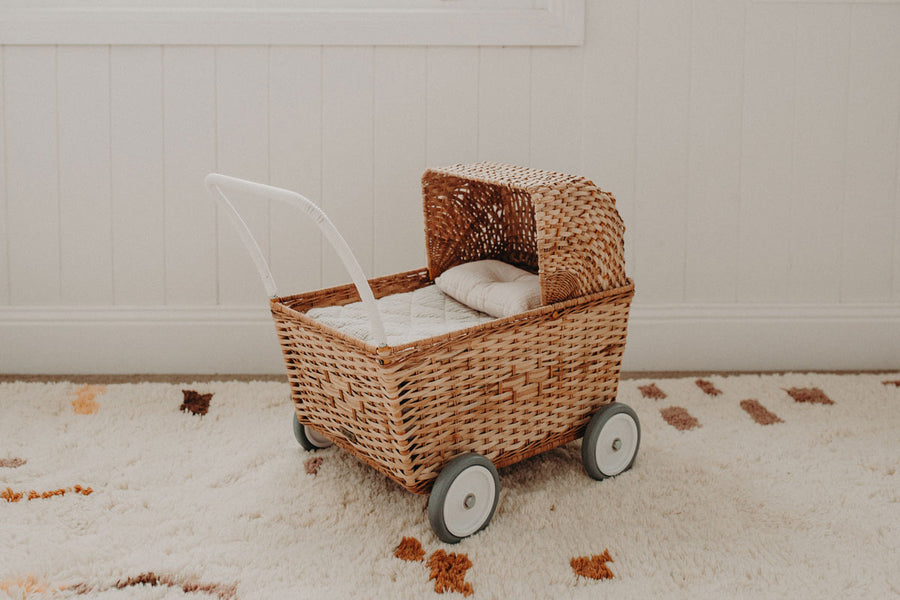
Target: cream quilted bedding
(408, 317)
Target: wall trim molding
(552, 23)
(695, 337)
(766, 311)
(764, 337)
(711, 311)
(62, 315)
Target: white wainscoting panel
(399, 159)
(30, 128)
(609, 144)
(714, 150)
(661, 169)
(753, 148)
(504, 105)
(820, 135)
(451, 110)
(85, 202)
(767, 151)
(4, 229)
(348, 142)
(870, 209)
(295, 163)
(189, 151)
(556, 106)
(137, 175)
(242, 150)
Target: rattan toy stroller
(441, 414)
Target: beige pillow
(492, 287)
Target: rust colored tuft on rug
(651, 390)
(759, 413)
(594, 566)
(448, 570)
(708, 387)
(809, 395)
(410, 549)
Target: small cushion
(492, 287)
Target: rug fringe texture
(745, 486)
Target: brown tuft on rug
(708, 388)
(679, 418)
(652, 391)
(410, 549)
(449, 572)
(593, 567)
(759, 413)
(195, 402)
(809, 395)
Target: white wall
(754, 148)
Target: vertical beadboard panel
(242, 147)
(4, 228)
(32, 170)
(399, 159)
(662, 148)
(189, 105)
(717, 87)
(767, 150)
(873, 112)
(823, 36)
(138, 181)
(347, 154)
(609, 106)
(295, 163)
(504, 105)
(84, 175)
(451, 106)
(557, 76)
(896, 278)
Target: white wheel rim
(616, 444)
(315, 438)
(469, 500)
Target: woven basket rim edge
(377, 352)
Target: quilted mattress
(408, 317)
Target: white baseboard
(763, 337)
(697, 337)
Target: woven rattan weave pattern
(506, 389)
(561, 226)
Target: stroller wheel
(611, 441)
(464, 497)
(309, 438)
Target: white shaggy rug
(777, 486)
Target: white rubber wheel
(464, 497)
(611, 441)
(309, 438)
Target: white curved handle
(216, 183)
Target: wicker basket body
(507, 389)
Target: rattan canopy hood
(562, 227)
